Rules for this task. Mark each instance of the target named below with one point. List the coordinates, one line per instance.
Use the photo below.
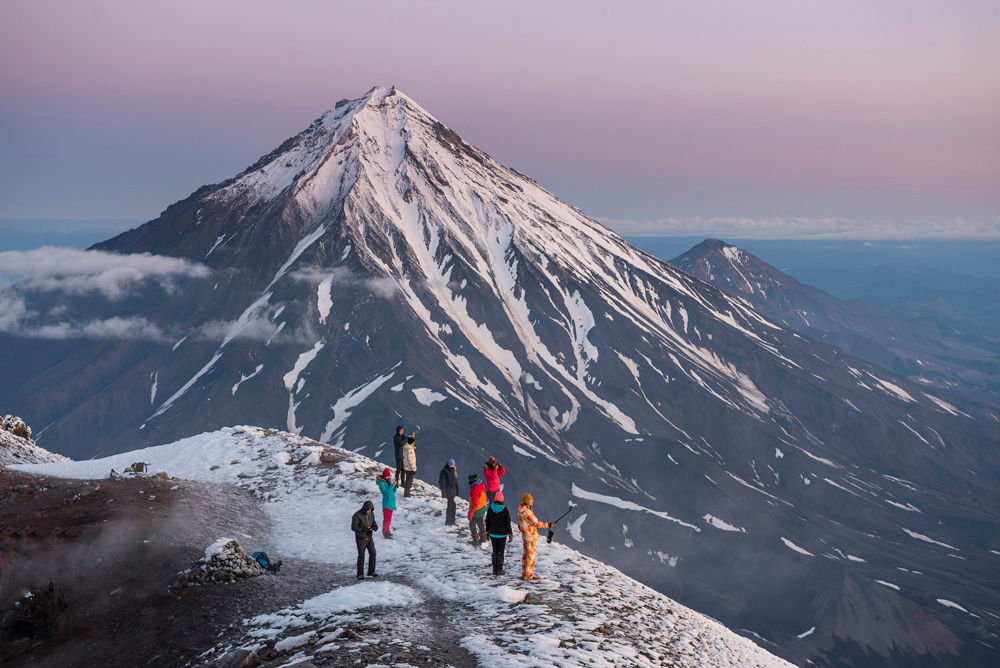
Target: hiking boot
(387, 536)
(373, 575)
(361, 577)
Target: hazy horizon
(762, 119)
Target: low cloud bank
(79, 272)
(806, 228)
(17, 319)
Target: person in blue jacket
(388, 489)
(499, 529)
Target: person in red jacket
(491, 474)
(477, 509)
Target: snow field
(582, 612)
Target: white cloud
(81, 272)
(111, 328)
(382, 287)
(806, 228)
(16, 319)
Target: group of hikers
(489, 517)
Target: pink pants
(386, 519)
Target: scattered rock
(37, 617)
(224, 562)
(239, 658)
(16, 426)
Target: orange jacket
(527, 522)
(477, 499)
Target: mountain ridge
(414, 282)
(937, 355)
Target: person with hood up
(363, 525)
(477, 509)
(492, 471)
(529, 525)
(388, 489)
(409, 463)
(499, 531)
(398, 441)
(448, 482)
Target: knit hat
(527, 498)
(386, 472)
(410, 439)
(498, 498)
(472, 478)
(451, 462)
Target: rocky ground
(435, 602)
(112, 549)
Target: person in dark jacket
(448, 482)
(499, 530)
(363, 525)
(398, 441)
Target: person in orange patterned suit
(529, 525)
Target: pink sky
(633, 111)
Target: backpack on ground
(265, 563)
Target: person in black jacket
(448, 482)
(363, 525)
(398, 441)
(499, 530)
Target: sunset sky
(657, 117)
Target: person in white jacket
(409, 463)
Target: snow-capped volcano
(376, 269)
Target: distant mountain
(922, 339)
(376, 269)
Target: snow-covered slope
(582, 612)
(18, 449)
(930, 352)
(376, 269)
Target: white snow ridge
(581, 613)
